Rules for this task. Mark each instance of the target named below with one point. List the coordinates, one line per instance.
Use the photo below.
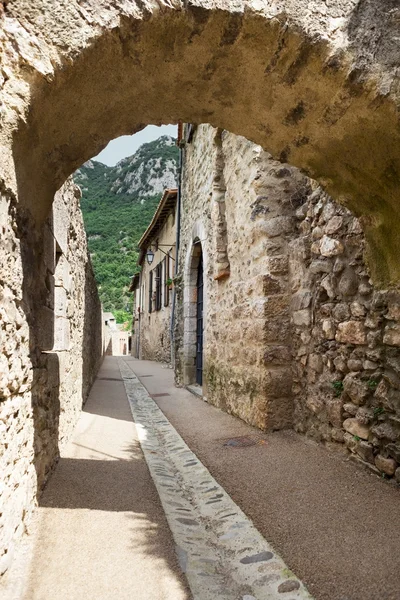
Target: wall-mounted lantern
(150, 256)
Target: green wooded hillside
(117, 205)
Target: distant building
(116, 341)
(109, 320)
(151, 338)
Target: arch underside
(304, 91)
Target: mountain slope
(117, 205)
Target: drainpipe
(140, 315)
(178, 238)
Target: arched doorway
(194, 310)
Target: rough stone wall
(291, 75)
(295, 334)
(346, 337)
(50, 340)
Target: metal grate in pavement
(144, 375)
(109, 379)
(159, 395)
(244, 442)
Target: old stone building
(153, 300)
(276, 295)
(117, 341)
(317, 85)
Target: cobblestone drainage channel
(219, 549)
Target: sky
(127, 145)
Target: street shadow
(105, 406)
(92, 342)
(116, 485)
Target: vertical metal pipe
(178, 239)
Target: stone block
(320, 266)
(277, 355)
(301, 300)
(365, 451)
(386, 431)
(386, 465)
(330, 247)
(334, 225)
(61, 220)
(392, 335)
(278, 265)
(45, 328)
(355, 389)
(394, 451)
(276, 330)
(49, 249)
(393, 305)
(354, 365)
(315, 403)
(334, 408)
(329, 329)
(275, 307)
(53, 370)
(357, 309)
(364, 415)
(62, 273)
(351, 332)
(350, 441)
(337, 435)
(61, 334)
(60, 302)
(302, 318)
(278, 383)
(315, 363)
(275, 226)
(355, 428)
(348, 283)
(341, 312)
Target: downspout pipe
(178, 239)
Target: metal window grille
(158, 286)
(166, 277)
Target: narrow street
(103, 533)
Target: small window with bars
(158, 274)
(150, 291)
(166, 280)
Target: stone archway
(297, 81)
(316, 86)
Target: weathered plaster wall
(154, 329)
(295, 332)
(50, 349)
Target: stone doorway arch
(196, 260)
(319, 89)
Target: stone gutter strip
(219, 549)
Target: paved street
(103, 533)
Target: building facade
(153, 287)
(277, 318)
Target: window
(166, 277)
(150, 291)
(158, 270)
